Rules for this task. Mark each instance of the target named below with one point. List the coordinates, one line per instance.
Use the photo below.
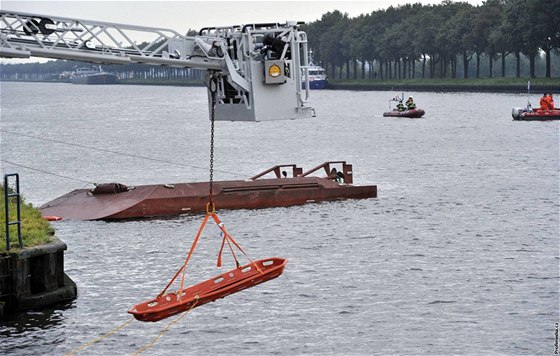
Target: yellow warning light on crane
(274, 71)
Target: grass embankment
(452, 82)
(484, 84)
(34, 229)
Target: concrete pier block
(34, 277)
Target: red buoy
(52, 218)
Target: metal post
(18, 209)
(7, 212)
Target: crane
(254, 70)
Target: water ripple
(457, 255)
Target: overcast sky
(184, 15)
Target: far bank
(494, 85)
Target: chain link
(213, 87)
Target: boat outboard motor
(516, 113)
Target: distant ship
(317, 76)
(92, 75)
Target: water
(459, 254)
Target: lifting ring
(210, 208)
(213, 84)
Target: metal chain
(213, 87)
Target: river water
(459, 254)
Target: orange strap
(229, 238)
(226, 237)
(184, 266)
(219, 263)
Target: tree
(547, 29)
(330, 31)
(455, 33)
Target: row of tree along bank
(61, 70)
(449, 40)
(499, 38)
(509, 85)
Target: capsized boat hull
(161, 200)
(412, 114)
(210, 290)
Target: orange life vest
(550, 102)
(544, 103)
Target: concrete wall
(34, 277)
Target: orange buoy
(52, 218)
(243, 277)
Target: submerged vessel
(92, 76)
(412, 113)
(529, 114)
(113, 201)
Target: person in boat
(410, 105)
(400, 106)
(550, 102)
(544, 102)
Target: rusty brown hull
(174, 199)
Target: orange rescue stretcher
(218, 287)
(235, 280)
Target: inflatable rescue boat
(529, 114)
(412, 113)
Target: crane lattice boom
(258, 67)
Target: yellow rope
(98, 339)
(166, 329)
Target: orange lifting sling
(235, 280)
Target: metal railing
(7, 196)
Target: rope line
(166, 329)
(116, 152)
(47, 172)
(88, 344)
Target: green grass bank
(508, 85)
(35, 230)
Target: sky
(184, 15)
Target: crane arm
(28, 35)
(258, 67)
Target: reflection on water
(457, 255)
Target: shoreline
(553, 87)
(497, 88)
